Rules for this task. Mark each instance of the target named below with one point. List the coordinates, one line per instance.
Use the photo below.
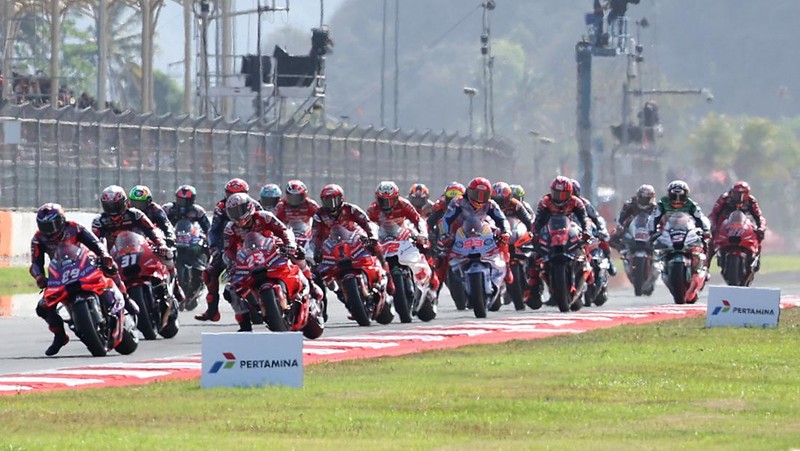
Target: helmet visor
(478, 196)
(737, 196)
(387, 203)
(560, 196)
(417, 202)
(295, 199)
(332, 203)
(183, 201)
(51, 227)
(677, 198)
(644, 202)
(139, 204)
(113, 207)
(237, 212)
(269, 202)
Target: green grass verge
(16, 280)
(669, 385)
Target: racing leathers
(726, 205)
(401, 212)
(42, 245)
(601, 232)
(216, 264)
(426, 210)
(352, 218)
(268, 225)
(701, 221)
(574, 206)
(628, 211)
(158, 216)
(452, 220)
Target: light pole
(538, 153)
(470, 92)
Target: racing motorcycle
(281, 293)
(738, 249)
(75, 282)
(410, 272)
(478, 260)
(520, 250)
(348, 268)
(597, 291)
(680, 249)
(192, 259)
(641, 268)
(149, 283)
(563, 262)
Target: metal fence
(68, 156)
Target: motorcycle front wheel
(86, 329)
(355, 303)
(477, 297)
(677, 282)
(274, 316)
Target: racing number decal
(256, 260)
(128, 260)
(391, 248)
(69, 275)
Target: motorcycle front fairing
(475, 250)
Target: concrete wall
(17, 229)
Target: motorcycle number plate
(473, 243)
(128, 260)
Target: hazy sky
(303, 14)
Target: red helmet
(50, 219)
(739, 191)
(240, 208)
(332, 197)
(236, 186)
(387, 193)
(296, 192)
(418, 195)
(453, 190)
(479, 191)
(561, 190)
(501, 193)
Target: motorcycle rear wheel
(477, 297)
(516, 290)
(86, 329)
(355, 304)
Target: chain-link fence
(68, 156)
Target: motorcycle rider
(334, 210)
(118, 217)
(244, 218)
(600, 225)
(644, 200)
(296, 206)
(477, 202)
(518, 192)
(737, 198)
(54, 229)
(185, 207)
(270, 196)
(389, 206)
(418, 196)
(511, 207)
(677, 199)
(451, 191)
(560, 200)
(216, 244)
(141, 198)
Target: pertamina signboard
(253, 359)
(743, 306)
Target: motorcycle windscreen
(679, 221)
(474, 225)
(129, 242)
(340, 233)
(389, 230)
(299, 227)
(558, 222)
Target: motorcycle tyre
(129, 343)
(560, 287)
(457, 291)
(733, 272)
(352, 295)
(402, 302)
(427, 311)
(477, 298)
(677, 283)
(517, 289)
(274, 316)
(315, 325)
(639, 275)
(86, 329)
(144, 323)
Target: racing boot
(60, 338)
(606, 248)
(212, 312)
(533, 296)
(389, 281)
(244, 322)
(435, 283)
(177, 291)
(509, 278)
(131, 306)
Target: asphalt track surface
(24, 336)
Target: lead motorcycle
(149, 284)
(641, 268)
(347, 267)
(681, 250)
(563, 264)
(738, 249)
(75, 282)
(280, 291)
(192, 260)
(410, 272)
(478, 260)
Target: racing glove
(41, 281)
